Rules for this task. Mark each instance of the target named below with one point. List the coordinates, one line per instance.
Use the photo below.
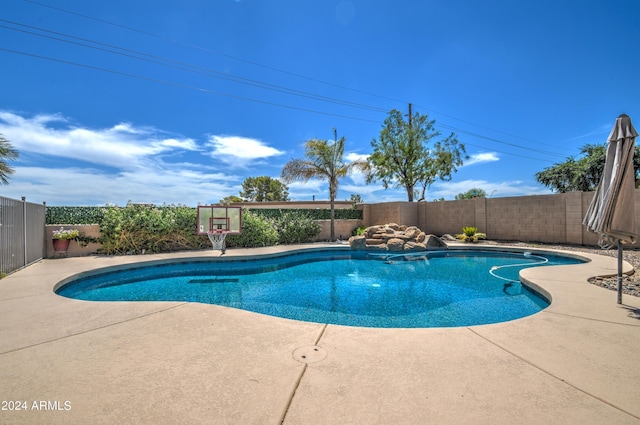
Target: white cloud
(66, 186)
(135, 156)
(121, 146)
(479, 158)
(241, 149)
(351, 157)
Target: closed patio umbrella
(611, 213)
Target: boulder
(395, 238)
(358, 243)
(395, 245)
(434, 242)
(375, 241)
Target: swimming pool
(433, 289)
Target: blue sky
(178, 102)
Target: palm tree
(323, 160)
(7, 152)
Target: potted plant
(62, 238)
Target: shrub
(257, 231)
(137, 229)
(471, 234)
(295, 228)
(358, 231)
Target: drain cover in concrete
(309, 354)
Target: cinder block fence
(553, 218)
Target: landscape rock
(395, 245)
(357, 243)
(435, 242)
(395, 238)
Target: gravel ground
(630, 283)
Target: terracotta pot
(61, 245)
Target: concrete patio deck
(77, 362)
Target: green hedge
(94, 215)
(74, 215)
(313, 214)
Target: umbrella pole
(619, 271)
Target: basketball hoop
(217, 238)
(218, 221)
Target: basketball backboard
(219, 218)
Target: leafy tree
(263, 189)
(402, 155)
(7, 153)
(230, 200)
(472, 193)
(356, 199)
(323, 160)
(581, 174)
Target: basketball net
(217, 238)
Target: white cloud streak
(480, 158)
(136, 157)
(240, 149)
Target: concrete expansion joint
(555, 376)
(98, 328)
(306, 354)
(634, 314)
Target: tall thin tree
(7, 152)
(322, 160)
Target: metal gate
(22, 239)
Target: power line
(208, 72)
(208, 91)
(271, 68)
(181, 65)
(204, 49)
(171, 83)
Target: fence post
(24, 229)
(44, 231)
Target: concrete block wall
(555, 218)
(342, 229)
(75, 250)
(439, 218)
(390, 212)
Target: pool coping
(572, 362)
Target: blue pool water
(435, 289)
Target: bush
(257, 231)
(295, 228)
(358, 231)
(139, 229)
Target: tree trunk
(409, 192)
(332, 215)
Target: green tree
(323, 160)
(230, 200)
(264, 189)
(356, 199)
(7, 153)
(402, 154)
(472, 193)
(582, 174)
